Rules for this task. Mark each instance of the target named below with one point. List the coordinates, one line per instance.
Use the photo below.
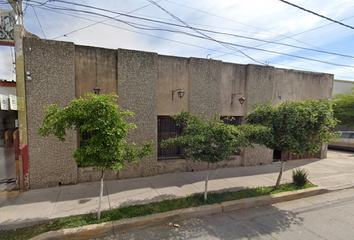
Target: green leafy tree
(211, 140)
(344, 108)
(100, 117)
(297, 127)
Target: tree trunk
(206, 184)
(280, 173)
(101, 194)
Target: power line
(319, 15)
(220, 42)
(200, 29)
(194, 29)
(103, 21)
(284, 36)
(228, 45)
(170, 15)
(40, 25)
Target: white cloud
(269, 20)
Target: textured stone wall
(259, 85)
(173, 74)
(144, 82)
(52, 68)
(137, 90)
(205, 80)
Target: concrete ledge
(271, 199)
(125, 225)
(85, 232)
(171, 216)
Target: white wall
(340, 86)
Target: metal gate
(167, 129)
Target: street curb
(271, 199)
(125, 225)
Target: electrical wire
(136, 24)
(318, 15)
(226, 43)
(39, 23)
(101, 21)
(196, 30)
(209, 31)
(284, 36)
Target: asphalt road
(328, 216)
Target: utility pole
(19, 33)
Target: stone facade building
(145, 83)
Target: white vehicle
(345, 141)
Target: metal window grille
(235, 121)
(85, 136)
(167, 128)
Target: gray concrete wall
(299, 85)
(144, 82)
(205, 81)
(52, 67)
(87, 60)
(233, 83)
(343, 87)
(173, 74)
(259, 87)
(137, 90)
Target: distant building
(7, 116)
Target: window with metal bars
(167, 128)
(232, 120)
(85, 136)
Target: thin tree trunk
(101, 194)
(206, 184)
(280, 174)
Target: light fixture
(278, 94)
(241, 99)
(180, 93)
(97, 90)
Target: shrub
(300, 177)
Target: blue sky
(231, 22)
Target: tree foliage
(100, 117)
(344, 108)
(297, 126)
(211, 140)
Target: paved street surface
(328, 216)
(20, 209)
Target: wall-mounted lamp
(278, 94)
(180, 93)
(97, 90)
(241, 99)
(28, 75)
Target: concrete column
(259, 88)
(205, 79)
(137, 91)
(52, 68)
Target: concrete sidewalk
(20, 209)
